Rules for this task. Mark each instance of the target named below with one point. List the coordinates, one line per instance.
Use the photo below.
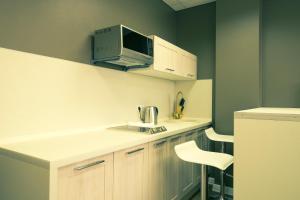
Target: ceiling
(183, 4)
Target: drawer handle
(135, 151)
(160, 143)
(169, 69)
(189, 134)
(89, 165)
(190, 75)
(175, 138)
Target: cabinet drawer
(91, 179)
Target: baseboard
(192, 193)
(212, 186)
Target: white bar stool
(190, 152)
(212, 135)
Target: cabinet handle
(89, 165)
(191, 75)
(175, 138)
(189, 134)
(160, 143)
(135, 151)
(169, 69)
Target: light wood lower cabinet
(157, 170)
(88, 180)
(187, 179)
(198, 137)
(167, 62)
(145, 172)
(131, 174)
(173, 170)
(150, 171)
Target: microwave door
(135, 41)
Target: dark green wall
(237, 60)
(238, 63)
(62, 28)
(196, 31)
(281, 53)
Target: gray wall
(62, 28)
(238, 63)
(281, 53)
(237, 60)
(196, 32)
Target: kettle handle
(140, 109)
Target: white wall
(40, 94)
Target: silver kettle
(148, 114)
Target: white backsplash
(198, 96)
(39, 94)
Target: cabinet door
(173, 172)
(191, 67)
(130, 174)
(186, 169)
(198, 137)
(186, 64)
(88, 180)
(182, 68)
(157, 170)
(164, 56)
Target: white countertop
(63, 150)
(286, 114)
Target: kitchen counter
(62, 150)
(265, 113)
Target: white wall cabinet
(167, 62)
(131, 174)
(186, 64)
(88, 180)
(157, 170)
(170, 62)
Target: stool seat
(212, 135)
(190, 152)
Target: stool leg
(203, 182)
(222, 189)
(222, 147)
